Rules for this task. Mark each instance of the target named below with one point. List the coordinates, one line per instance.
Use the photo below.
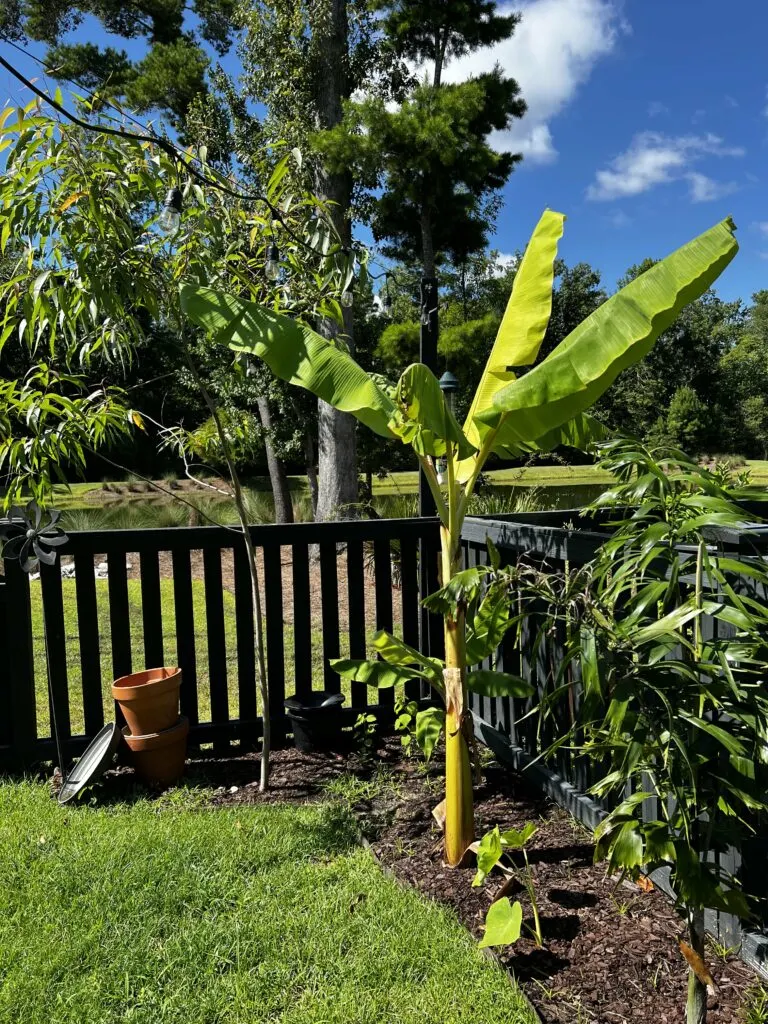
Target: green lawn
(74, 674)
(759, 470)
(140, 914)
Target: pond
(566, 495)
(195, 508)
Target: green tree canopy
(168, 78)
(427, 170)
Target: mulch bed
(610, 953)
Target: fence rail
(121, 600)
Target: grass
(133, 914)
(74, 672)
(74, 675)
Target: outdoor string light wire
(169, 148)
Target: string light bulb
(272, 266)
(169, 220)
(347, 299)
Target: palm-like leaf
(619, 333)
(426, 421)
(294, 352)
(523, 327)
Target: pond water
(136, 512)
(566, 495)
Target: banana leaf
(424, 420)
(619, 333)
(294, 352)
(523, 326)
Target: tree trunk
(337, 450)
(277, 474)
(337, 463)
(309, 459)
(427, 242)
(696, 1009)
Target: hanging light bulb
(169, 220)
(347, 299)
(272, 266)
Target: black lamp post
(431, 626)
(449, 385)
(427, 356)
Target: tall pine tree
(303, 59)
(431, 176)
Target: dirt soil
(610, 950)
(610, 953)
(286, 568)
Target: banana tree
(515, 411)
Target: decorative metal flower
(32, 536)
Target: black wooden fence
(550, 541)
(122, 600)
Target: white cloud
(504, 261)
(656, 108)
(705, 190)
(656, 159)
(552, 53)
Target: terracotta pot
(159, 757)
(149, 700)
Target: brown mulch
(610, 953)
(610, 950)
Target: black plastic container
(316, 721)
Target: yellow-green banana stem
(459, 809)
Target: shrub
(667, 713)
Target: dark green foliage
(430, 157)
(422, 30)
(168, 78)
(667, 713)
(744, 374)
(687, 424)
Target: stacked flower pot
(155, 732)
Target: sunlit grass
(136, 626)
(178, 914)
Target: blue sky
(647, 123)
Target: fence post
(17, 683)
